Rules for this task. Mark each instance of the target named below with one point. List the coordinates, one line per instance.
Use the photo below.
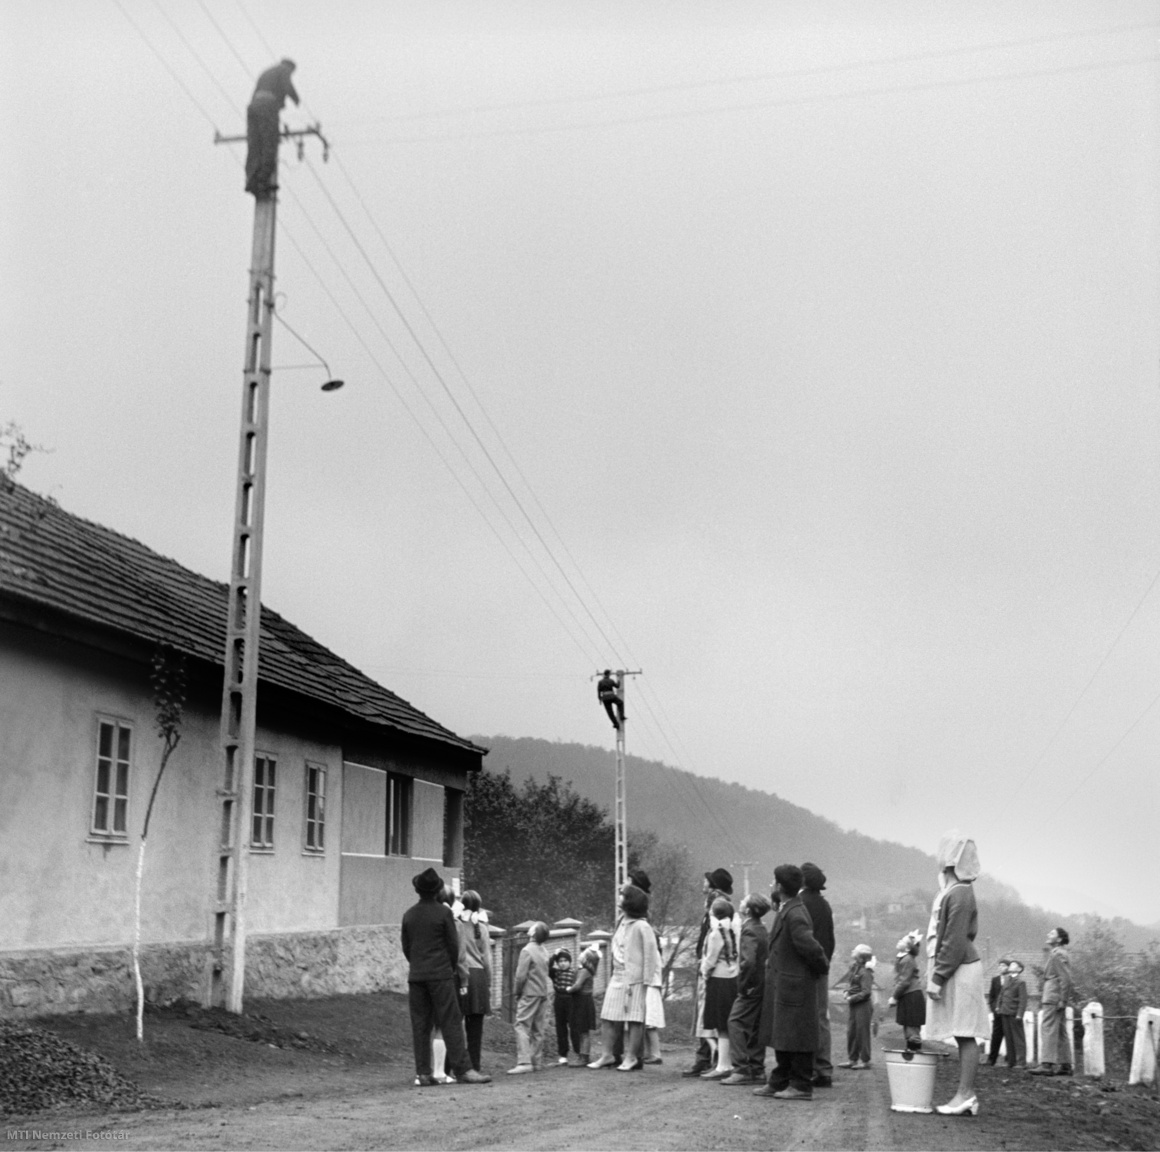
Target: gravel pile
(39, 1069)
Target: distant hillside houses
(355, 789)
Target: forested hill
(879, 889)
(721, 823)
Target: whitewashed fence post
(1093, 1039)
(1030, 1037)
(1143, 1069)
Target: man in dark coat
(719, 882)
(262, 128)
(813, 881)
(789, 1011)
(431, 945)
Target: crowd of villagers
(758, 987)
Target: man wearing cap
(813, 881)
(262, 129)
(718, 883)
(789, 1015)
(431, 945)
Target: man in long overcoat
(789, 1008)
(813, 882)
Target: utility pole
(244, 612)
(745, 865)
(619, 808)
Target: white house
(355, 790)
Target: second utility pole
(620, 808)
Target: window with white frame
(262, 834)
(399, 790)
(315, 807)
(111, 788)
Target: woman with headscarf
(632, 1000)
(954, 980)
(860, 1003)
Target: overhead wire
(1083, 691)
(166, 65)
(763, 77)
(458, 407)
(419, 424)
(197, 57)
(757, 105)
(587, 652)
(661, 728)
(1047, 818)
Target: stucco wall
(61, 886)
(281, 966)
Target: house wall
(62, 885)
(376, 888)
(319, 923)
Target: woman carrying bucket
(954, 982)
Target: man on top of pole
(611, 695)
(262, 129)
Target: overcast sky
(818, 342)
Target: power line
(228, 43)
(459, 408)
(759, 105)
(165, 64)
(1083, 691)
(762, 77)
(655, 721)
(200, 62)
(1100, 763)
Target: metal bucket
(911, 1076)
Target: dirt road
(556, 1109)
(337, 1073)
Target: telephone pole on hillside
(745, 865)
(226, 981)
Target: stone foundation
(284, 966)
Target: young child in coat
(908, 994)
(531, 989)
(561, 974)
(584, 1006)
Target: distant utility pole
(745, 865)
(244, 612)
(619, 810)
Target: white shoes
(966, 1108)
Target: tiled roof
(55, 559)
